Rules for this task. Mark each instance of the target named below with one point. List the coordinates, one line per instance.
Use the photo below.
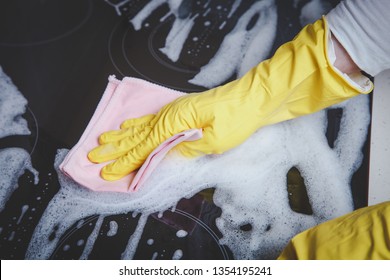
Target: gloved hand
(361, 235)
(297, 80)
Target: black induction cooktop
(59, 54)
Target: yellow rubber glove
(297, 80)
(361, 235)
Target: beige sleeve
(363, 28)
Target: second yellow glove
(363, 234)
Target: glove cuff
(300, 78)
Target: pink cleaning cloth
(122, 100)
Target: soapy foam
(145, 12)
(177, 37)
(150, 241)
(23, 212)
(74, 202)
(92, 238)
(150, 7)
(12, 107)
(13, 164)
(207, 11)
(13, 161)
(234, 8)
(181, 233)
(241, 49)
(11, 236)
(131, 246)
(177, 255)
(179, 31)
(113, 228)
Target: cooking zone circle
(170, 48)
(87, 236)
(144, 57)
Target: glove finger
(137, 121)
(128, 128)
(129, 162)
(115, 149)
(118, 135)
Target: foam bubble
(222, 25)
(113, 228)
(23, 212)
(206, 12)
(177, 255)
(11, 236)
(234, 8)
(80, 224)
(181, 233)
(150, 241)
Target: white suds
(177, 255)
(150, 242)
(145, 12)
(134, 239)
(234, 8)
(12, 107)
(177, 37)
(13, 163)
(181, 233)
(241, 49)
(113, 228)
(92, 238)
(24, 210)
(11, 236)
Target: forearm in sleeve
(363, 29)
